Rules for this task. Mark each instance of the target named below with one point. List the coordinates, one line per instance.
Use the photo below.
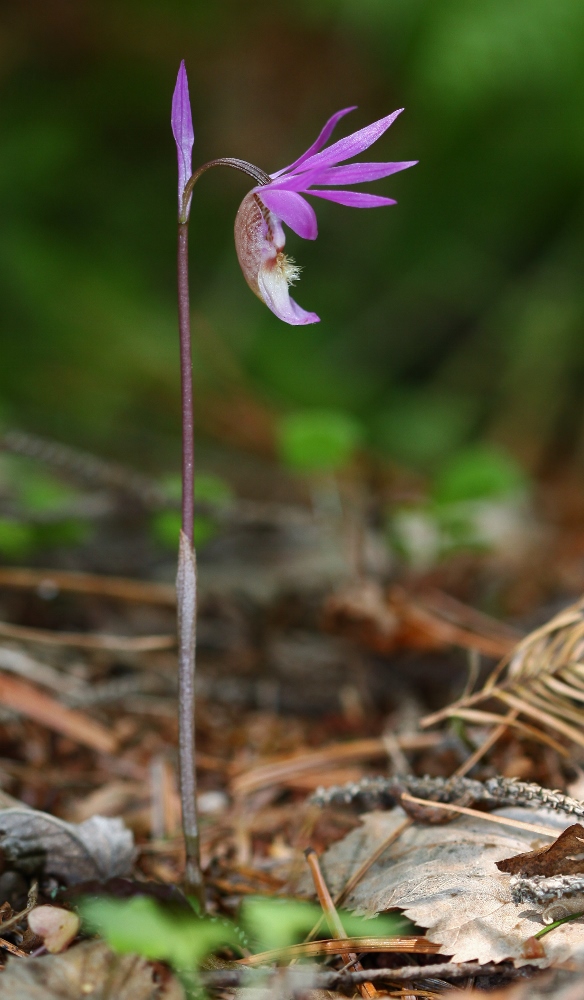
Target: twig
(474, 668)
(477, 814)
(118, 587)
(366, 989)
(531, 708)
(27, 700)
(87, 467)
(324, 896)
(432, 615)
(12, 948)
(119, 689)
(31, 902)
(79, 640)
(509, 721)
(13, 661)
(386, 792)
(370, 861)
(279, 771)
(486, 745)
(445, 713)
(230, 978)
(311, 949)
(362, 871)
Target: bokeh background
(450, 323)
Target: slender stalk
(186, 581)
(259, 176)
(186, 586)
(186, 380)
(367, 989)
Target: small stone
(56, 927)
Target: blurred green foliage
(16, 539)
(318, 440)
(40, 492)
(453, 316)
(478, 500)
(478, 473)
(278, 923)
(142, 926)
(166, 524)
(420, 428)
(41, 511)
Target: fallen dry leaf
(564, 857)
(55, 926)
(445, 878)
(34, 842)
(88, 970)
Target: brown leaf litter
(34, 843)
(89, 970)
(263, 760)
(557, 984)
(564, 857)
(428, 620)
(541, 678)
(446, 880)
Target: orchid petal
(182, 129)
(353, 173)
(351, 145)
(292, 209)
(259, 242)
(359, 173)
(318, 143)
(355, 199)
(274, 291)
(294, 182)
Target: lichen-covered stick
(259, 240)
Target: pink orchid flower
(278, 198)
(259, 236)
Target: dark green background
(456, 315)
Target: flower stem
(186, 380)
(258, 175)
(186, 581)
(186, 587)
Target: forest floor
(317, 669)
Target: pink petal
(182, 129)
(318, 143)
(353, 173)
(358, 173)
(351, 145)
(292, 209)
(294, 182)
(273, 289)
(355, 199)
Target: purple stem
(186, 380)
(186, 584)
(187, 591)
